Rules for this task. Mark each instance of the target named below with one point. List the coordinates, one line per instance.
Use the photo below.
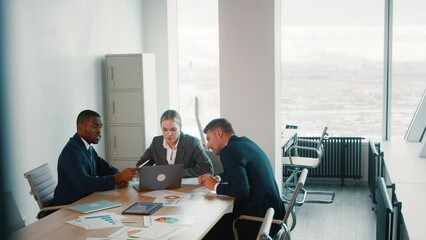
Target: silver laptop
(160, 177)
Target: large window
(198, 53)
(332, 66)
(408, 63)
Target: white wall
(55, 56)
(250, 80)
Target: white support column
(250, 72)
(387, 72)
(160, 37)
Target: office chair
(42, 186)
(295, 163)
(284, 232)
(217, 164)
(264, 228)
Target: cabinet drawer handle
(115, 142)
(113, 107)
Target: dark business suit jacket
(249, 178)
(75, 179)
(189, 152)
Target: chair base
(291, 181)
(329, 193)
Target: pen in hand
(144, 163)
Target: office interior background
(330, 69)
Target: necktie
(92, 162)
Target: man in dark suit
(247, 176)
(80, 170)
(175, 147)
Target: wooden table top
(205, 210)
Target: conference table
(205, 210)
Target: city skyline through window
(332, 65)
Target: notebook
(159, 177)
(94, 206)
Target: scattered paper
(155, 232)
(206, 192)
(190, 181)
(168, 198)
(97, 221)
(95, 238)
(169, 220)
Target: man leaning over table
(80, 169)
(247, 177)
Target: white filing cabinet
(131, 106)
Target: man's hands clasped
(208, 181)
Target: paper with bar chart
(96, 221)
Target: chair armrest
(256, 219)
(48, 210)
(250, 218)
(307, 140)
(266, 225)
(266, 221)
(303, 148)
(53, 208)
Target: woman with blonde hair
(176, 147)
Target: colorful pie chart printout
(170, 220)
(168, 198)
(133, 234)
(172, 197)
